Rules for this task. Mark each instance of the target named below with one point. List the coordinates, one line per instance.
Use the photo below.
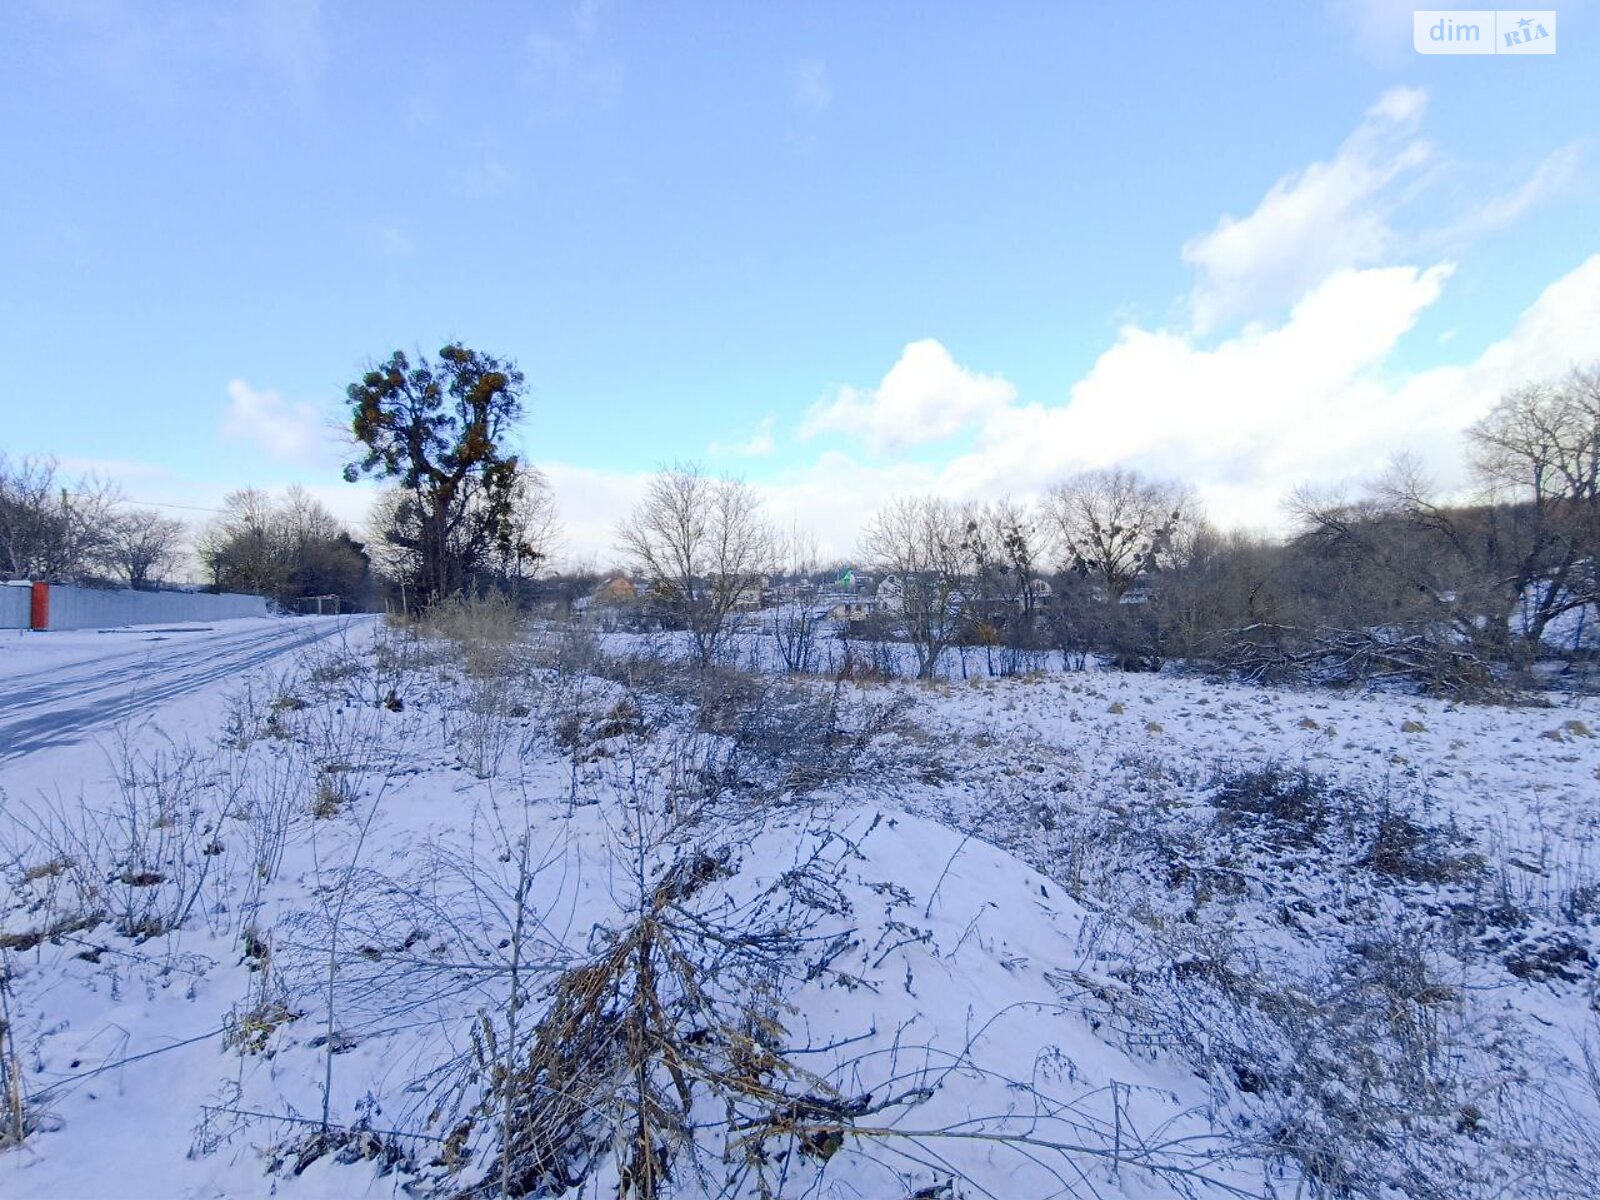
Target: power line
(148, 503)
(162, 504)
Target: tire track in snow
(53, 707)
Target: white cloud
(1155, 394)
(1329, 216)
(1245, 420)
(925, 397)
(292, 432)
(157, 55)
(1314, 398)
(760, 443)
(810, 87)
(1361, 208)
(387, 240)
(571, 68)
(1554, 172)
(1559, 331)
(591, 503)
(1248, 420)
(1309, 389)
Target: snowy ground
(1415, 872)
(1075, 934)
(59, 687)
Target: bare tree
(1491, 576)
(242, 548)
(286, 549)
(1229, 584)
(918, 543)
(52, 528)
(1373, 556)
(144, 545)
(1115, 525)
(1540, 449)
(533, 526)
(1387, 583)
(796, 622)
(1002, 542)
(498, 549)
(704, 547)
(1461, 560)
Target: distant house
(891, 594)
(791, 589)
(842, 606)
(616, 591)
(750, 595)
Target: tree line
(1392, 581)
(83, 531)
(459, 513)
(79, 530)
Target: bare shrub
(1406, 850)
(249, 1028)
(15, 1112)
(482, 727)
(268, 789)
(797, 620)
(141, 862)
(487, 629)
(793, 739)
(658, 1059)
(796, 629)
(1292, 805)
(637, 1038)
(751, 733)
(1339, 1015)
(1426, 657)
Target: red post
(40, 614)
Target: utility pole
(69, 551)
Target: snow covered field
(349, 912)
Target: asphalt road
(55, 706)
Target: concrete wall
(95, 608)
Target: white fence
(94, 608)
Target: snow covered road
(61, 687)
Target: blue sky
(845, 250)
